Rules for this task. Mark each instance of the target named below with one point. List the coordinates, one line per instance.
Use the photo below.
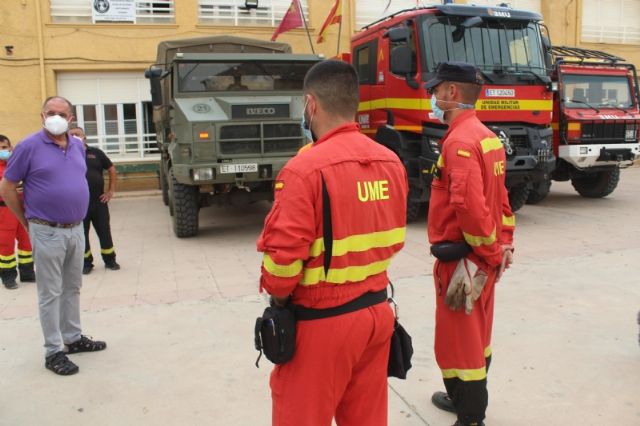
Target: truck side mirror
(154, 75)
(401, 63)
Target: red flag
(335, 17)
(292, 19)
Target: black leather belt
(368, 299)
(54, 224)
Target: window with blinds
(79, 11)
(530, 5)
(611, 21)
(368, 11)
(233, 12)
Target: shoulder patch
(463, 153)
(278, 185)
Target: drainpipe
(43, 82)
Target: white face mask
(56, 125)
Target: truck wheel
(596, 185)
(539, 191)
(185, 203)
(518, 196)
(164, 186)
(413, 210)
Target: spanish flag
(335, 17)
(291, 19)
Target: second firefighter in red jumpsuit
(339, 369)
(11, 231)
(469, 203)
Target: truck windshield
(497, 47)
(241, 76)
(596, 90)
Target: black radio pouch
(275, 334)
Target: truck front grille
(258, 139)
(611, 132)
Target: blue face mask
(5, 154)
(436, 110)
(306, 127)
(439, 112)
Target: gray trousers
(58, 254)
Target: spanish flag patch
(463, 153)
(278, 185)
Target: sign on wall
(113, 11)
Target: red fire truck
(595, 120)
(397, 54)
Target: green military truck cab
(227, 112)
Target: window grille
(79, 11)
(233, 12)
(611, 21)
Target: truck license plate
(239, 168)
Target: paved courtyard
(178, 319)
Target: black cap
(455, 71)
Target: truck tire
(413, 210)
(164, 186)
(185, 206)
(518, 196)
(539, 192)
(596, 185)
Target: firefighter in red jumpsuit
(339, 369)
(10, 231)
(469, 204)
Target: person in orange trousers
(468, 209)
(338, 218)
(10, 231)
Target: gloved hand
(465, 286)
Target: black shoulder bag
(401, 348)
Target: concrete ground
(179, 318)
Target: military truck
(596, 118)
(227, 113)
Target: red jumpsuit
(10, 231)
(340, 364)
(469, 202)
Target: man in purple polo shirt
(52, 166)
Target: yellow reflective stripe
(10, 265)
(24, 260)
(490, 144)
(465, 375)
(476, 241)
(313, 276)
(397, 103)
(87, 254)
(555, 125)
(361, 242)
(282, 271)
(487, 352)
(514, 105)
(106, 251)
(508, 220)
(573, 126)
(440, 163)
(10, 257)
(24, 253)
(416, 129)
(482, 104)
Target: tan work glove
(465, 286)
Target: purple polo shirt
(55, 183)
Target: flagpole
(305, 26)
(340, 26)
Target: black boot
(9, 278)
(27, 274)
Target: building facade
(68, 48)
